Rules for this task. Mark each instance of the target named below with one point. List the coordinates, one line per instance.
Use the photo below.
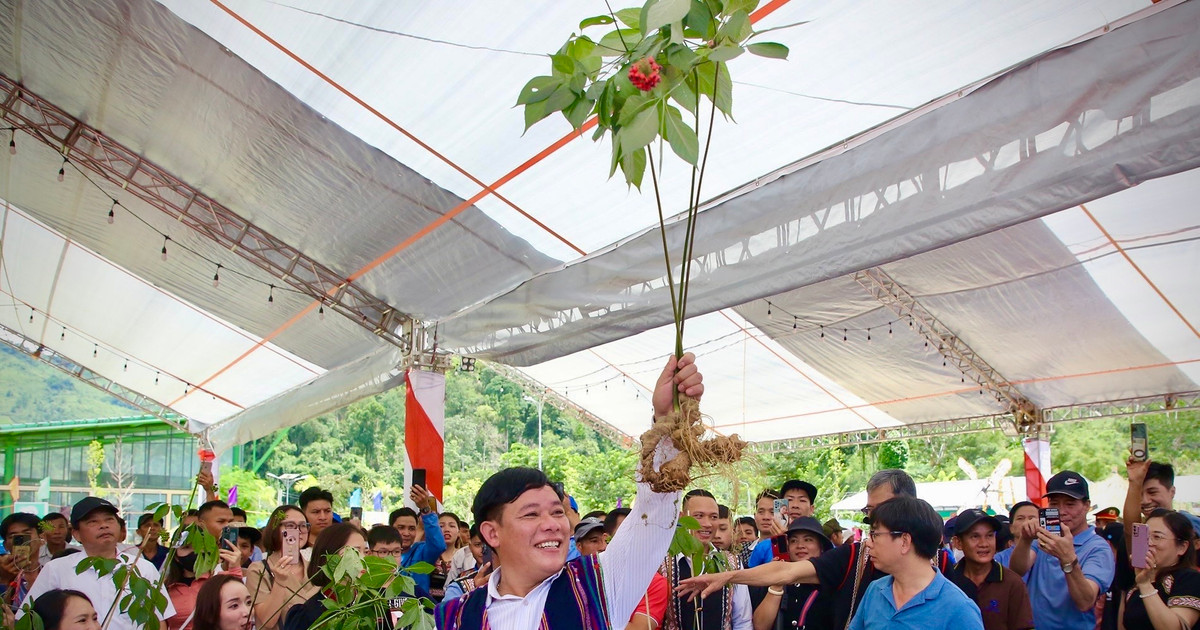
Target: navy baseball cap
(1070, 483)
(968, 518)
(87, 505)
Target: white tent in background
(1023, 171)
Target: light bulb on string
(125, 368)
(112, 212)
(822, 331)
(271, 295)
(769, 311)
(164, 247)
(793, 322)
(31, 311)
(12, 142)
(63, 336)
(889, 329)
(217, 276)
(95, 349)
(868, 334)
(62, 170)
(845, 334)
(156, 378)
(321, 313)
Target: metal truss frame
(1124, 408)
(1024, 415)
(61, 362)
(90, 149)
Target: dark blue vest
(576, 601)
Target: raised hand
(681, 375)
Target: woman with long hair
(279, 581)
(223, 603)
(332, 541)
(183, 584)
(1166, 593)
(443, 566)
(63, 609)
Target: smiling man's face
(705, 511)
(531, 535)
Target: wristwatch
(1070, 566)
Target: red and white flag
(425, 428)
(1037, 469)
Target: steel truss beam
(20, 342)
(600, 426)
(1125, 408)
(878, 283)
(88, 148)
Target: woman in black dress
(796, 606)
(1166, 594)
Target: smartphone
(21, 548)
(781, 512)
(356, 512)
(206, 467)
(229, 534)
(1139, 445)
(1141, 545)
(291, 543)
(779, 547)
(418, 478)
(486, 558)
(558, 487)
(1049, 520)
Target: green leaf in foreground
(770, 50)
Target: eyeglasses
(1158, 538)
(876, 534)
(390, 554)
(291, 525)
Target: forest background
(489, 425)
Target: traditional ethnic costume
(727, 609)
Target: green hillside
(31, 392)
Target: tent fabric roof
(1024, 171)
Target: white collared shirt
(100, 590)
(628, 564)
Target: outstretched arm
(769, 574)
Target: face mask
(187, 563)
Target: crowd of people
(529, 559)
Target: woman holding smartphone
(1167, 591)
(279, 582)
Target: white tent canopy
(1022, 170)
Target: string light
(868, 334)
(845, 334)
(62, 170)
(125, 368)
(12, 142)
(164, 247)
(31, 316)
(112, 212)
(321, 312)
(822, 331)
(271, 295)
(156, 378)
(63, 336)
(95, 349)
(794, 322)
(890, 331)
(217, 276)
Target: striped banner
(1037, 469)
(425, 427)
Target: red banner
(425, 427)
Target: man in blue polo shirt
(1065, 574)
(905, 535)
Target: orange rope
(1139, 270)
(963, 390)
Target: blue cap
(574, 505)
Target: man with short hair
(904, 539)
(383, 541)
(56, 536)
(1151, 486)
(1065, 572)
(470, 579)
(613, 520)
(94, 524)
(148, 529)
(404, 520)
(589, 537)
(521, 517)
(729, 609)
(997, 590)
(723, 531)
(19, 570)
(746, 531)
(317, 505)
(843, 571)
(801, 497)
